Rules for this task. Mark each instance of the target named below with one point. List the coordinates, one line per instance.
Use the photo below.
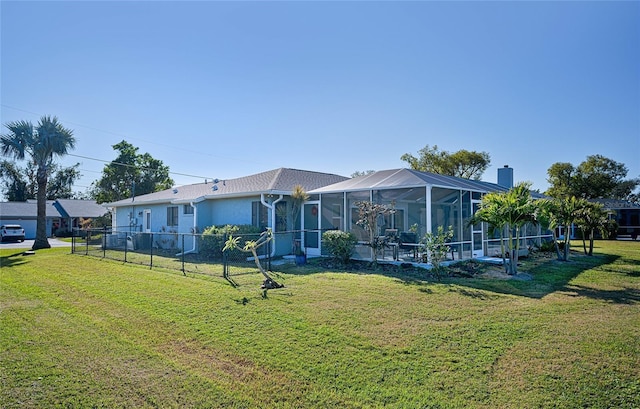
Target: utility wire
(136, 167)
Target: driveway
(27, 244)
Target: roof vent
(215, 187)
(175, 191)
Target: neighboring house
(26, 214)
(422, 202)
(261, 200)
(72, 211)
(62, 214)
(625, 213)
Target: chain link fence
(189, 253)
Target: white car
(11, 232)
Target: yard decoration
(252, 246)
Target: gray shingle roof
(277, 181)
(79, 208)
(26, 209)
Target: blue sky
(227, 89)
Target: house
(61, 214)
(72, 211)
(261, 200)
(422, 202)
(626, 215)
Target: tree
(562, 212)
(252, 246)
(130, 174)
(592, 217)
(463, 163)
(15, 187)
(509, 211)
(19, 184)
(597, 177)
(42, 144)
(359, 173)
(368, 215)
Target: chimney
(505, 177)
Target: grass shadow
(15, 259)
(544, 276)
(627, 295)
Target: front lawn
(79, 331)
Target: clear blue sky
(227, 89)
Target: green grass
(78, 331)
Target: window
(172, 216)
(187, 209)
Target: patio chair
(408, 241)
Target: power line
(127, 136)
(136, 167)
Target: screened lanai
(422, 201)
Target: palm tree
(563, 212)
(593, 216)
(49, 139)
(509, 211)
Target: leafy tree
(130, 174)
(597, 177)
(19, 184)
(463, 163)
(509, 210)
(368, 215)
(41, 144)
(15, 187)
(358, 173)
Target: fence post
(151, 248)
(182, 254)
(126, 245)
(104, 242)
(225, 261)
(87, 236)
(268, 255)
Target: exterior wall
(232, 211)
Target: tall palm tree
(42, 144)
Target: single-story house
(422, 202)
(61, 214)
(261, 200)
(72, 211)
(26, 214)
(625, 213)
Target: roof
(28, 209)
(405, 178)
(615, 204)
(79, 208)
(276, 181)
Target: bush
(340, 244)
(213, 238)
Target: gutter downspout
(272, 207)
(195, 229)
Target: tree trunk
(41, 241)
(591, 243)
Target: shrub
(340, 244)
(213, 238)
